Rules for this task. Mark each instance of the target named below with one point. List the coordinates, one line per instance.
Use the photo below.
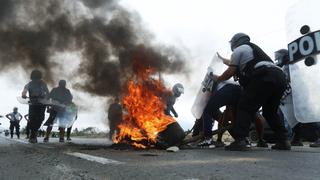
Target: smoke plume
(109, 38)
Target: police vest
(259, 56)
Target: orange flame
(145, 105)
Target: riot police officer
(263, 85)
(282, 58)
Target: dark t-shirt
(115, 114)
(37, 89)
(62, 95)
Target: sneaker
(45, 140)
(33, 140)
(282, 145)
(296, 143)
(261, 143)
(248, 143)
(315, 144)
(238, 145)
(68, 139)
(206, 142)
(61, 140)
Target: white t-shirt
(15, 117)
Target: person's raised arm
(224, 60)
(227, 74)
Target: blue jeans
(226, 96)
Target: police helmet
(238, 40)
(281, 57)
(178, 89)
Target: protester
(37, 90)
(263, 86)
(63, 96)
(226, 94)
(15, 118)
(177, 90)
(114, 117)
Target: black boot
(33, 137)
(262, 143)
(295, 142)
(296, 139)
(282, 145)
(238, 145)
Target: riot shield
(67, 116)
(305, 80)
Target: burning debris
(117, 57)
(145, 105)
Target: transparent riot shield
(215, 67)
(305, 81)
(67, 116)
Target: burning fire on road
(144, 103)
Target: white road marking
(94, 158)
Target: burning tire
(171, 136)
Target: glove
(176, 115)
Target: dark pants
(50, 121)
(112, 131)
(14, 124)
(264, 90)
(28, 129)
(227, 95)
(114, 121)
(36, 117)
(51, 118)
(69, 132)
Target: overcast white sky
(197, 27)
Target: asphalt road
(94, 159)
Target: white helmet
(178, 89)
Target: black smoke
(109, 37)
